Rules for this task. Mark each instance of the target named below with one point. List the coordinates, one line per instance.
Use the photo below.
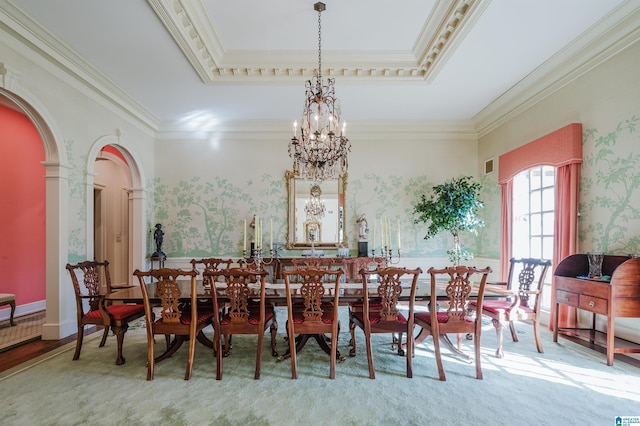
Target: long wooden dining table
(275, 294)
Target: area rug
(567, 384)
(27, 329)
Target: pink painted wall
(22, 208)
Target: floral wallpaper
(205, 217)
(609, 197)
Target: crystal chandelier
(320, 149)
(314, 207)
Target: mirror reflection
(315, 215)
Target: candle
(255, 231)
(382, 232)
(244, 243)
(398, 233)
(260, 234)
(388, 232)
(373, 244)
(295, 127)
(271, 233)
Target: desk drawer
(567, 298)
(593, 304)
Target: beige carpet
(28, 328)
(568, 385)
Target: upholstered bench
(9, 299)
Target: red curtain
(561, 149)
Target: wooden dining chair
(380, 313)
(91, 282)
(183, 320)
(526, 280)
(314, 315)
(455, 318)
(243, 315)
(210, 264)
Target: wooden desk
(619, 298)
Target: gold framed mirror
(325, 232)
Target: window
(533, 218)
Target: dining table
(275, 294)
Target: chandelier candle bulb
(398, 234)
(244, 242)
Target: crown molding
(54, 55)
(384, 130)
(190, 25)
(609, 36)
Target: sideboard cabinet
(618, 297)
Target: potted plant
(453, 207)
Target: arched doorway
(60, 304)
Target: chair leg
(478, 358)
(436, 346)
(292, 351)
(333, 355)
(536, 334)
(514, 334)
(119, 331)
(352, 331)
(192, 353)
(400, 349)
(274, 335)
(150, 356)
(409, 354)
(105, 333)
(499, 326)
(12, 304)
(76, 354)
(367, 337)
(217, 342)
(256, 376)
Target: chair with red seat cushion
(176, 316)
(380, 313)
(91, 282)
(456, 318)
(525, 303)
(317, 315)
(243, 315)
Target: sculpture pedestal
(363, 248)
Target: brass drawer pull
(592, 304)
(566, 298)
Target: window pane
(547, 223)
(536, 224)
(548, 202)
(535, 205)
(548, 176)
(534, 178)
(536, 247)
(547, 252)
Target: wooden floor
(28, 351)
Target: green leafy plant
(452, 207)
